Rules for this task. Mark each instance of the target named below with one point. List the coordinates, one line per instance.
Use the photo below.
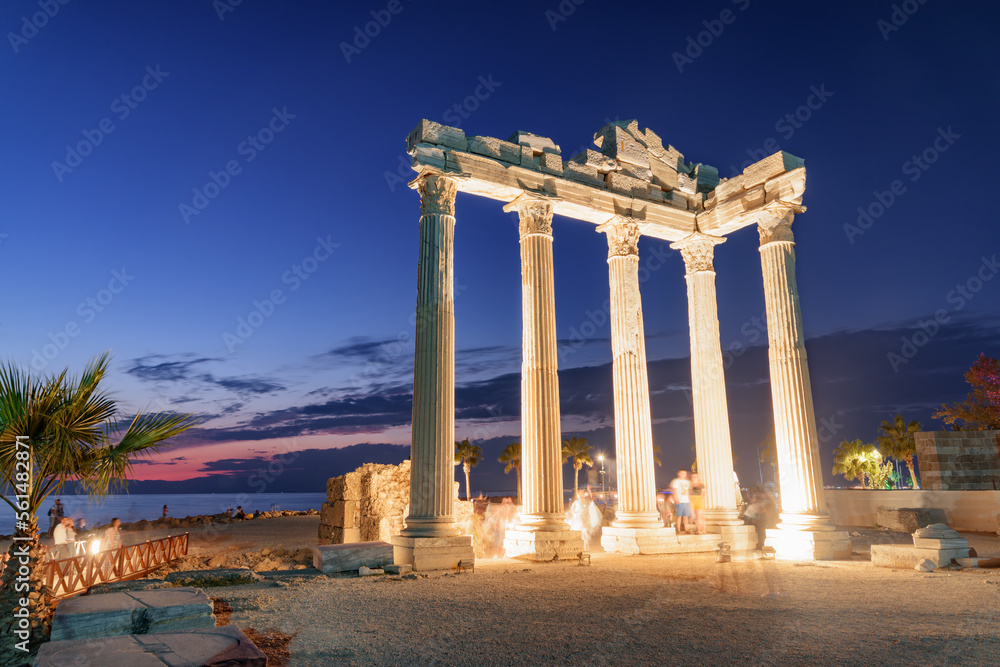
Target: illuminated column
(430, 539)
(432, 446)
(542, 532)
(541, 436)
(804, 517)
(636, 518)
(708, 384)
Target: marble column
(708, 384)
(542, 532)
(430, 538)
(804, 518)
(638, 527)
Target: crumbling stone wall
(959, 460)
(370, 504)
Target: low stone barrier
(967, 510)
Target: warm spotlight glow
(95, 547)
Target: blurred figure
(164, 511)
(113, 535)
(681, 489)
(697, 496)
(760, 513)
(55, 516)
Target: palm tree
(853, 459)
(468, 455)
(63, 430)
(898, 442)
(578, 450)
(511, 455)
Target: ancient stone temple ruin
(633, 186)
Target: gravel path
(646, 610)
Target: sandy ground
(621, 610)
(639, 610)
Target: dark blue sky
(320, 213)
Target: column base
(638, 540)
(543, 545)
(791, 543)
(716, 518)
(432, 553)
(739, 537)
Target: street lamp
(600, 457)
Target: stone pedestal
(542, 529)
(330, 558)
(797, 543)
(637, 527)
(738, 536)
(543, 545)
(132, 612)
(639, 540)
(432, 553)
(432, 448)
(906, 557)
(713, 444)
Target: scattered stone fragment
(925, 565)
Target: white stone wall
(967, 510)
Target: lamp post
(604, 498)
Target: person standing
(698, 503)
(164, 511)
(61, 537)
(681, 489)
(56, 514)
(113, 535)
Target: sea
(149, 506)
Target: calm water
(134, 507)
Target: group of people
(685, 506)
(66, 533)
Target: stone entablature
(634, 174)
(959, 460)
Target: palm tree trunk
(517, 469)
(913, 473)
(468, 468)
(32, 587)
(576, 478)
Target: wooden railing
(70, 576)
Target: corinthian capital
(697, 251)
(437, 194)
(535, 214)
(623, 236)
(775, 226)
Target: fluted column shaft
(800, 478)
(432, 449)
(541, 435)
(633, 430)
(708, 384)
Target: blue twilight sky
(169, 166)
